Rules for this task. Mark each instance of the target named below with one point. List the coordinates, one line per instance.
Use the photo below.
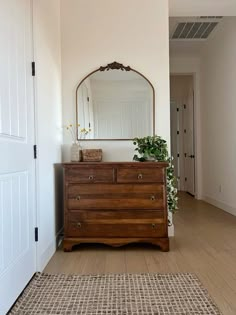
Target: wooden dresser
(115, 203)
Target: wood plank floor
(204, 244)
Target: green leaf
(156, 147)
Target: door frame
(37, 222)
(197, 128)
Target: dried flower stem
(81, 134)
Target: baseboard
(49, 251)
(220, 205)
(46, 256)
(59, 237)
(171, 230)
(199, 197)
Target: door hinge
(88, 99)
(178, 132)
(35, 151)
(185, 131)
(36, 234)
(177, 109)
(184, 106)
(178, 155)
(185, 179)
(33, 68)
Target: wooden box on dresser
(115, 203)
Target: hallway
(204, 244)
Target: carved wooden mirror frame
(115, 66)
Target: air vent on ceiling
(211, 17)
(193, 30)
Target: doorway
(182, 131)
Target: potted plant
(154, 148)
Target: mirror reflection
(115, 104)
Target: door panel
(14, 212)
(17, 165)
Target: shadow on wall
(58, 193)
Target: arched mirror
(116, 103)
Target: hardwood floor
(204, 244)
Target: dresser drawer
(140, 175)
(116, 217)
(74, 189)
(114, 227)
(115, 196)
(90, 175)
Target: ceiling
(186, 48)
(202, 7)
(191, 46)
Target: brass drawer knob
(77, 197)
(153, 197)
(140, 176)
(79, 225)
(153, 225)
(91, 177)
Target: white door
(17, 165)
(175, 139)
(189, 162)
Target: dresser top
(116, 164)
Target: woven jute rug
(145, 294)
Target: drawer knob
(77, 197)
(140, 176)
(153, 225)
(79, 225)
(153, 197)
(91, 177)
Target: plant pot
(151, 158)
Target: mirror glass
(115, 104)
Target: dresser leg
(163, 243)
(67, 246)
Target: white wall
(134, 33)
(218, 117)
(202, 7)
(48, 120)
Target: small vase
(76, 152)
